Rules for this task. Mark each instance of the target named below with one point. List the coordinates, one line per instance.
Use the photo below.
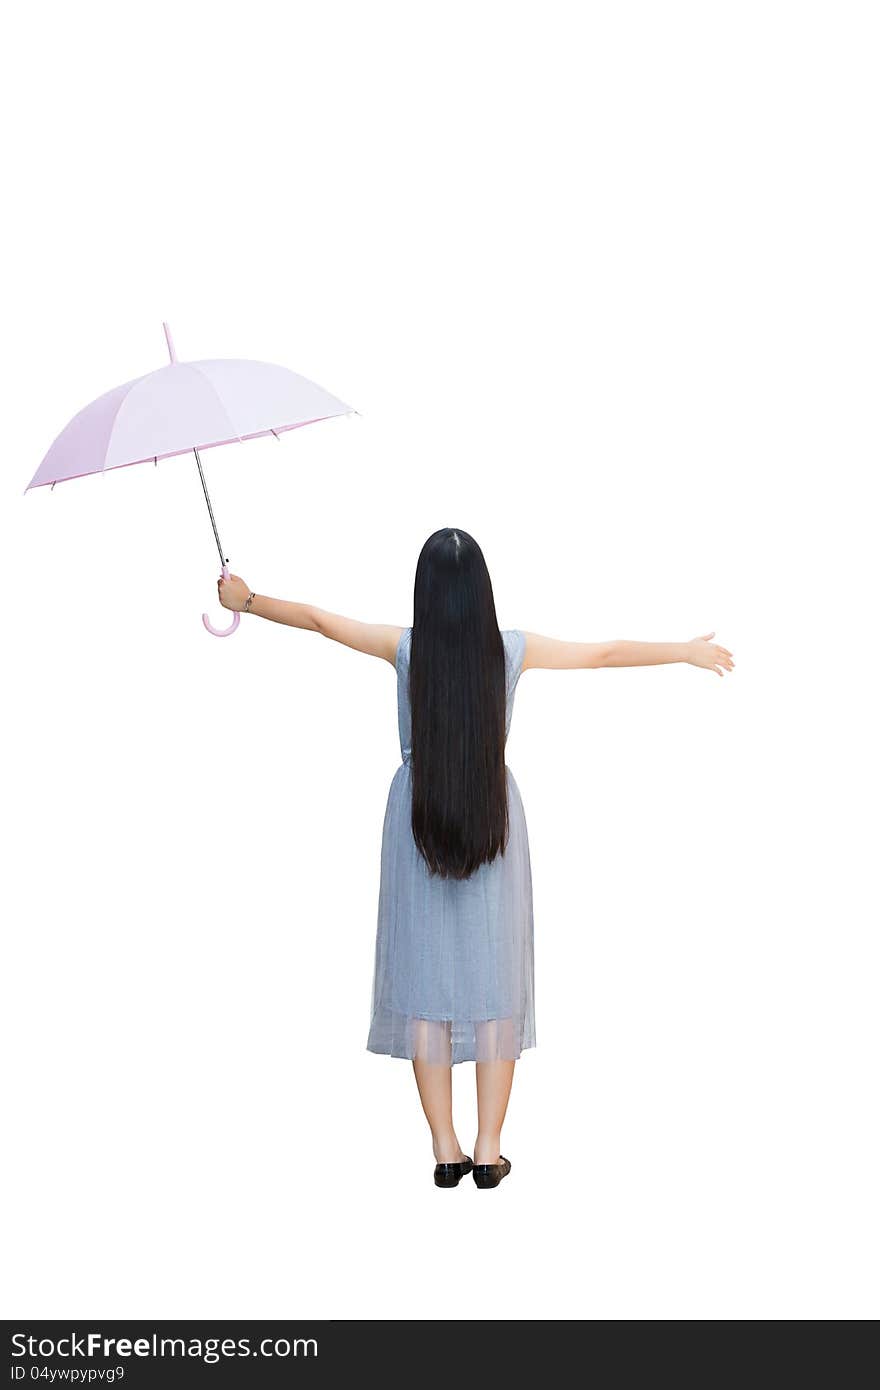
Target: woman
(454, 971)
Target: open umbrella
(182, 408)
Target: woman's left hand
(233, 593)
(703, 652)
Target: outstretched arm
(376, 639)
(550, 654)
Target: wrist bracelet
(250, 599)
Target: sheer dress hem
(446, 1042)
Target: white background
(602, 281)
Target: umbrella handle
(222, 631)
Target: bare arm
(550, 654)
(376, 639)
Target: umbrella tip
(170, 341)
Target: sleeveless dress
(454, 965)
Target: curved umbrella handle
(222, 631)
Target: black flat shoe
(490, 1174)
(451, 1174)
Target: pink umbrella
(182, 408)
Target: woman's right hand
(702, 652)
(233, 592)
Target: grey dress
(454, 969)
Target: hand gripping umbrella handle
(222, 631)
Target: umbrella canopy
(180, 409)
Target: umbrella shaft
(223, 559)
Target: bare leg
(434, 1080)
(494, 1080)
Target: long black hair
(457, 693)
